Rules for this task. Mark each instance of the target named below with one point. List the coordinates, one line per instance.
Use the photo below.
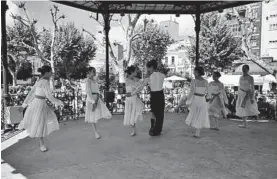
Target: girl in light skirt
(39, 119)
(217, 103)
(133, 105)
(246, 104)
(198, 116)
(95, 107)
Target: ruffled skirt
(133, 110)
(217, 108)
(198, 116)
(101, 112)
(249, 109)
(39, 119)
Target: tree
(151, 44)
(19, 39)
(102, 78)
(29, 23)
(25, 72)
(218, 46)
(73, 51)
(246, 19)
(130, 37)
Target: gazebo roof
(153, 7)
(254, 70)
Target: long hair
(44, 69)
(130, 69)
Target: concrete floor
(231, 153)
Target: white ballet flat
(97, 136)
(43, 148)
(133, 134)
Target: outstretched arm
(47, 91)
(140, 87)
(29, 98)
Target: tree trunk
(14, 79)
(247, 33)
(121, 75)
(14, 76)
(52, 64)
(52, 50)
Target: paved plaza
(231, 153)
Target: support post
(197, 30)
(107, 28)
(4, 8)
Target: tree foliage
(19, 45)
(218, 47)
(130, 36)
(73, 51)
(25, 72)
(64, 47)
(152, 44)
(102, 78)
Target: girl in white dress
(217, 103)
(95, 107)
(246, 104)
(198, 116)
(39, 119)
(133, 105)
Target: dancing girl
(39, 119)
(157, 100)
(95, 107)
(198, 116)
(246, 104)
(133, 105)
(217, 103)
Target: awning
(175, 78)
(254, 70)
(269, 79)
(153, 7)
(233, 80)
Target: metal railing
(74, 101)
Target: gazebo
(120, 7)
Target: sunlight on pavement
(7, 171)
(13, 140)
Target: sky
(39, 10)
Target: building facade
(256, 13)
(171, 27)
(269, 29)
(177, 59)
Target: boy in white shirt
(157, 100)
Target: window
(166, 60)
(255, 13)
(272, 41)
(254, 43)
(255, 29)
(235, 28)
(172, 60)
(273, 27)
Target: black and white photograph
(138, 89)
